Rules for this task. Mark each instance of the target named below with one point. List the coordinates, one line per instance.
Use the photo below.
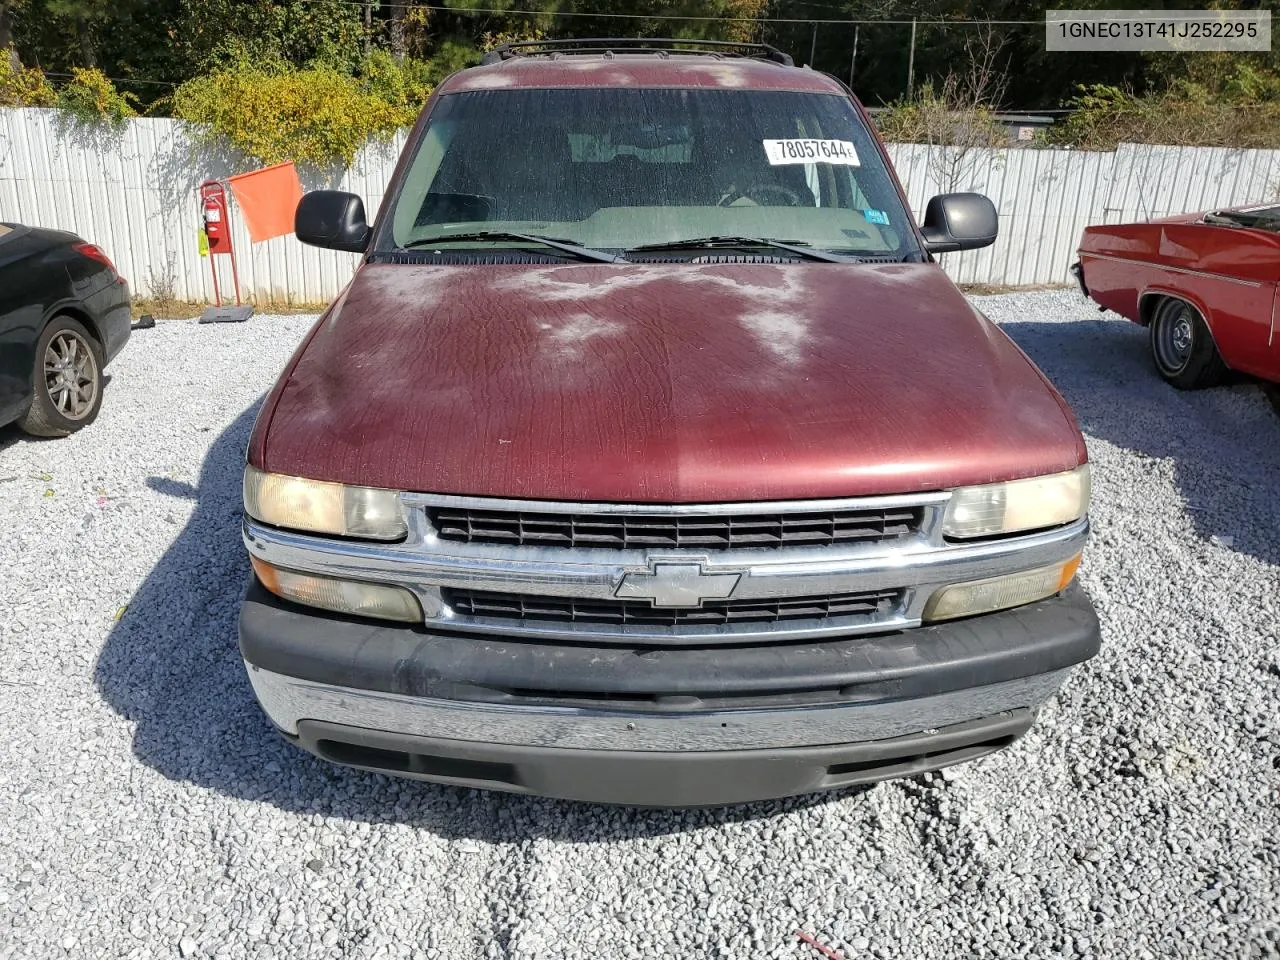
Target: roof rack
(662, 46)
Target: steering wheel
(761, 194)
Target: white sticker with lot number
(782, 152)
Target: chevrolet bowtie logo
(677, 585)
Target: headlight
(343, 596)
(319, 507)
(1000, 593)
(1031, 504)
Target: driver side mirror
(332, 219)
(959, 221)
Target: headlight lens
(343, 596)
(1000, 593)
(320, 507)
(1031, 504)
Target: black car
(64, 314)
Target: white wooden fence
(134, 192)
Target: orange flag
(267, 199)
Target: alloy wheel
(71, 375)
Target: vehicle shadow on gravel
(8, 437)
(10, 434)
(172, 667)
(1224, 443)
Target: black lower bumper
(669, 727)
(693, 778)
(325, 648)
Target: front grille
(819, 528)
(624, 613)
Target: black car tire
(1183, 348)
(51, 413)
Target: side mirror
(332, 219)
(959, 221)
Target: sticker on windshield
(876, 216)
(781, 152)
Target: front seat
(541, 182)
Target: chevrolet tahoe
(650, 458)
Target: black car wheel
(1182, 347)
(67, 380)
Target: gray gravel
(146, 810)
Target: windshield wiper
(711, 243)
(567, 246)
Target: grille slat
(623, 613)
(708, 532)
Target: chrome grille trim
(913, 566)
(873, 606)
(677, 509)
(897, 617)
(646, 531)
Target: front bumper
(1077, 271)
(668, 727)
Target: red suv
(649, 457)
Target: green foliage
(23, 86)
(314, 116)
(282, 34)
(932, 118)
(1238, 78)
(451, 55)
(1101, 111)
(1104, 116)
(404, 84)
(90, 98)
(525, 33)
(250, 51)
(79, 9)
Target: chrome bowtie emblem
(677, 585)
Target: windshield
(1260, 218)
(617, 169)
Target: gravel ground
(146, 810)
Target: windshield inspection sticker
(876, 216)
(781, 152)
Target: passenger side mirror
(959, 221)
(332, 219)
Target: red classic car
(1204, 284)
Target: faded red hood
(661, 383)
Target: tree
(7, 10)
(1038, 79)
(82, 14)
(155, 45)
(399, 42)
(957, 119)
